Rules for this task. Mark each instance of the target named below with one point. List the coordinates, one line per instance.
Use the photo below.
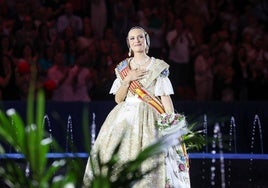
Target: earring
(147, 50)
(129, 53)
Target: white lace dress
(136, 120)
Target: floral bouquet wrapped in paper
(169, 123)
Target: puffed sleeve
(163, 85)
(115, 86)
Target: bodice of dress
(156, 82)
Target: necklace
(136, 65)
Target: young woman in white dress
(142, 92)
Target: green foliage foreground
(31, 140)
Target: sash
(136, 88)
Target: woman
(140, 81)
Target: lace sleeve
(115, 86)
(163, 86)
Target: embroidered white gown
(138, 120)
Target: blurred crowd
(217, 50)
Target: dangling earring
(129, 53)
(147, 50)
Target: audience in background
(78, 81)
(69, 19)
(217, 50)
(203, 74)
(58, 73)
(181, 44)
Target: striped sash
(136, 88)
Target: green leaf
(31, 153)
(56, 165)
(101, 181)
(40, 114)
(43, 150)
(14, 175)
(18, 129)
(7, 130)
(194, 140)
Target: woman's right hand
(135, 74)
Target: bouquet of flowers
(168, 123)
(175, 126)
